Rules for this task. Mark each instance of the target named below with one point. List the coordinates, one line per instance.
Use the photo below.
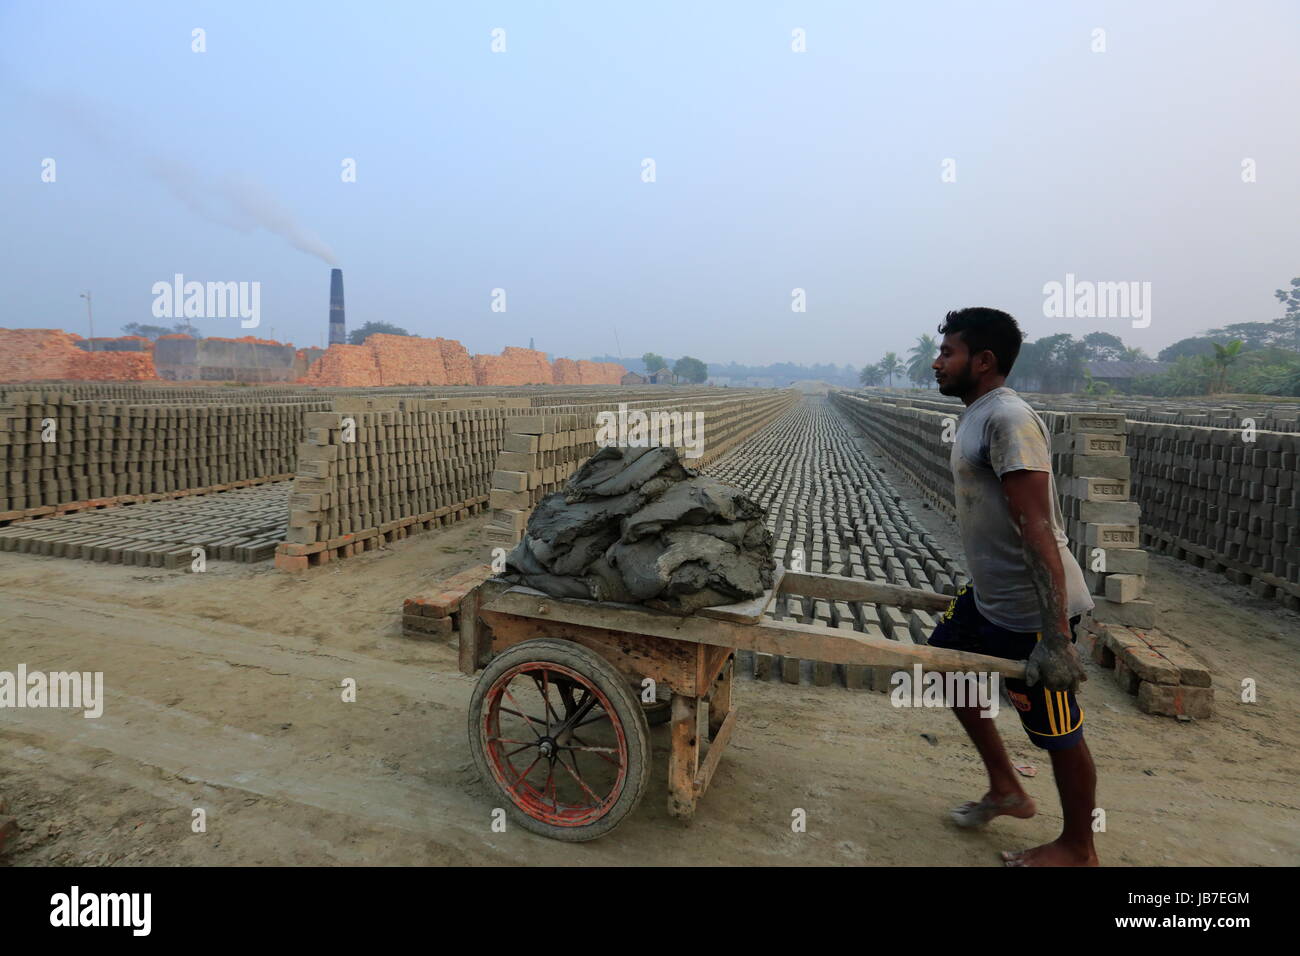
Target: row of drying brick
(831, 511)
(1204, 412)
(1223, 498)
(240, 525)
(1227, 495)
(60, 451)
(361, 469)
(540, 452)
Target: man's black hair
(990, 329)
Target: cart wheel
(561, 734)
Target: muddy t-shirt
(997, 434)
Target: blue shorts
(1052, 718)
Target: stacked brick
(34, 355)
(828, 501)
(514, 366)
(59, 454)
(600, 373)
(406, 360)
(245, 524)
(354, 365)
(1104, 527)
(388, 360)
(541, 451)
(913, 438)
(539, 454)
(566, 372)
(374, 470)
(1208, 494)
(436, 613)
(1164, 677)
(456, 362)
(1221, 501)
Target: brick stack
(245, 524)
(413, 464)
(514, 366)
(407, 360)
(600, 373)
(541, 451)
(59, 454)
(566, 372)
(456, 362)
(33, 355)
(912, 438)
(344, 365)
(1213, 498)
(436, 613)
(539, 454)
(1093, 475)
(1164, 677)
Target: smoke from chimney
(338, 324)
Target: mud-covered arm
(1054, 661)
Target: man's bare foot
(969, 816)
(1055, 853)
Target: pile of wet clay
(635, 526)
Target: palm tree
(870, 375)
(923, 352)
(890, 365)
(1224, 355)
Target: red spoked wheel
(563, 738)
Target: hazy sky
(774, 169)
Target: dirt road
(224, 693)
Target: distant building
(632, 378)
(663, 377)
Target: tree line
(1260, 358)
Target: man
(1026, 590)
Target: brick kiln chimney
(338, 326)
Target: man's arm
(1054, 662)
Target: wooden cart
(555, 666)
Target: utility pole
(90, 316)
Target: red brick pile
(393, 360)
(410, 360)
(600, 373)
(344, 365)
(566, 372)
(514, 366)
(31, 355)
(456, 360)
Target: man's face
(952, 366)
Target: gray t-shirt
(997, 434)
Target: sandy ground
(224, 693)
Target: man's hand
(1055, 664)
